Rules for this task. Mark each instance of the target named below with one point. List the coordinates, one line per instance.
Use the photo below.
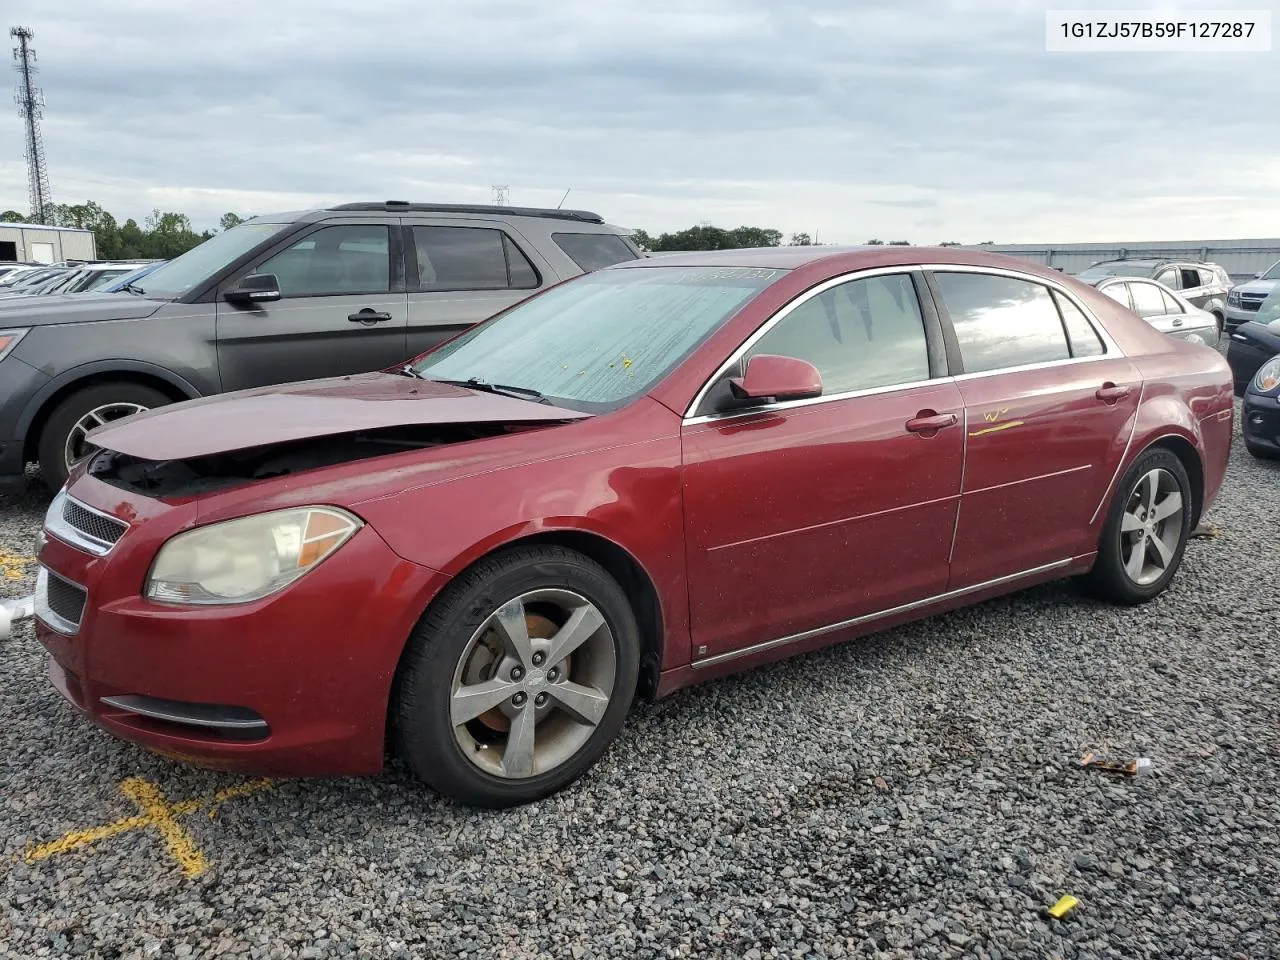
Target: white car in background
(1244, 299)
(1161, 307)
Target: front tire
(62, 441)
(1146, 532)
(518, 677)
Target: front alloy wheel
(533, 684)
(517, 678)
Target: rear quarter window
(594, 251)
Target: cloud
(854, 121)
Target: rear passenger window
(593, 251)
(1190, 278)
(1002, 321)
(861, 334)
(1084, 340)
(470, 258)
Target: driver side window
(860, 335)
(347, 259)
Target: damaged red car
(647, 476)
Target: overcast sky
(922, 120)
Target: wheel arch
(619, 562)
(42, 405)
(1192, 462)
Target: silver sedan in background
(1161, 307)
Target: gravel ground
(910, 795)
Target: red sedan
(644, 477)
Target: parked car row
(64, 278)
(1203, 285)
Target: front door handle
(927, 422)
(368, 315)
(1111, 394)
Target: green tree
(949, 243)
(899, 243)
(230, 220)
(705, 237)
(874, 243)
(642, 239)
(12, 216)
(801, 240)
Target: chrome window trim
(56, 525)
(880, 614)
(42, 611)
(1110, 347)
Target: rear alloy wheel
(1146, 530)
(518, 677)
(63, 441)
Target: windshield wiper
(476, 383)
(408, 371)
(134, 288)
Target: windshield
(199, 263)
(1120, 269)
(598, 341)
(1273, 273)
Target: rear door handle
(1110, 393)
(368, 315)
(926, 421)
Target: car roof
(459, 209)
(841, 258)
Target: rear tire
(62, 439)
(489, 709)
(1148, 525)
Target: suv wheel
(63, 440)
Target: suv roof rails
(404, 206)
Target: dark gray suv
(293, 296)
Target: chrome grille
(95, 525)
(59, 602)
(1251, 301)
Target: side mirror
(769, 377)
(255, 288)
(1258, 275)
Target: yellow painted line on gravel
(13, 566)
(155, 811)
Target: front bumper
(309, 670)
(1232, 317)
(1260, 422)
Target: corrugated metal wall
(1240, 258)
(48, 244)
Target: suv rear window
(594, 251)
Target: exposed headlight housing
(1268, 376)
(239, 561)
(9, 339)
(1233, 298)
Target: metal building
(1240, 258)
(37, 243)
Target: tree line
(162, 235)
(707, 237)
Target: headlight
(8, 340)
(1268, 376)
(238, 561)
(1233, 298)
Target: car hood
(1255, 286)
(36, 311)
(310, 409)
